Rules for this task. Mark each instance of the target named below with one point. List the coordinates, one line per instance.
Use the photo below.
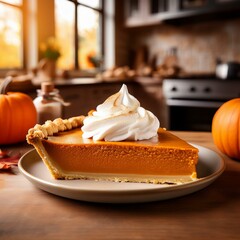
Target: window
(11, 34)
(79, 30)
(77, 24)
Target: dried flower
(93, 60)
(50, 49)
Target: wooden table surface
(27, 212)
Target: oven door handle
(193, 103)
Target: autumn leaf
(8, 159)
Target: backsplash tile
(198, 44)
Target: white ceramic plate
(210, 166)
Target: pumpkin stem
(5, 85)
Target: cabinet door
(134, 9)
(137, 12)
(75, 96)
(151, 98)
(84, 98)
(146, 12)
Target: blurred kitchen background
(180, 58)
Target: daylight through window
(79, 32)
(11, 34)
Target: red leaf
(7, 160)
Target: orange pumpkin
(17, 114)
(226, 128)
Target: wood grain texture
(213, 213)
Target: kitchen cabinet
(86, 97)
(83, 97)
(151, 98)
(144, 12)
(151, 12)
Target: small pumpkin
(17, 114)
(226, 128)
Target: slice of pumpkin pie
(120, 141)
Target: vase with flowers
(50, 53)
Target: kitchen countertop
(212, 213)
(32, 85)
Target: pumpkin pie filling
(138, 157)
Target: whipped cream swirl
(120, 118)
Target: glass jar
(49, 103)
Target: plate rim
(168, 188)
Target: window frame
(100, 10)
(22, 8)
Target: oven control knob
(174, 89)
(207, 90)
(192, 89)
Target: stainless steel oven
(192, 103)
